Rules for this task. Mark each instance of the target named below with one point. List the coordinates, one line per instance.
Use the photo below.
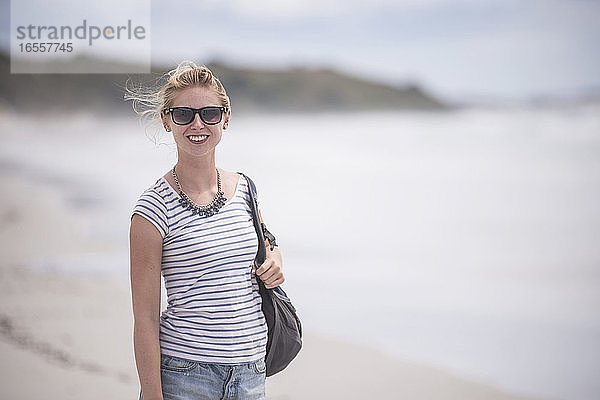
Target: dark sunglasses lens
(182, 116)
(211, 115)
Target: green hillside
(291, 90)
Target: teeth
(198, 138)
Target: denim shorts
(187, 380)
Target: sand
(69, 336)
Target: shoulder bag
(285, 330)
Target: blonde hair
(149, 101)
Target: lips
(198, 139)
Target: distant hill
(291, 90)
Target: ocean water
(468, 240)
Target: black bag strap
(261, 255)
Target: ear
(165, 122)
(226, 119)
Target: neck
(196, 174)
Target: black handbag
(285, 330)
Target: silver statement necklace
(205, 211)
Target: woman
(194, 227)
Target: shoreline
(72, 334)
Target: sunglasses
(210, 115)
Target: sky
(455, 49)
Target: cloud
(292, 9)
(492, 46)
(57, 11)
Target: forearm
(147, 357)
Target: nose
(197, 121)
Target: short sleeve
(152, 207)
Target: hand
(271, 271)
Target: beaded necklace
(205, 211)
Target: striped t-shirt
(213, 312)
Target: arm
(271, 271)
(145, 245)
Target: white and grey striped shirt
(213, 312)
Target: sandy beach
(69, 336)
(64, 338)
(479, 278)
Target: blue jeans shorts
(187, 380)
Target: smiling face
(196, 138)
